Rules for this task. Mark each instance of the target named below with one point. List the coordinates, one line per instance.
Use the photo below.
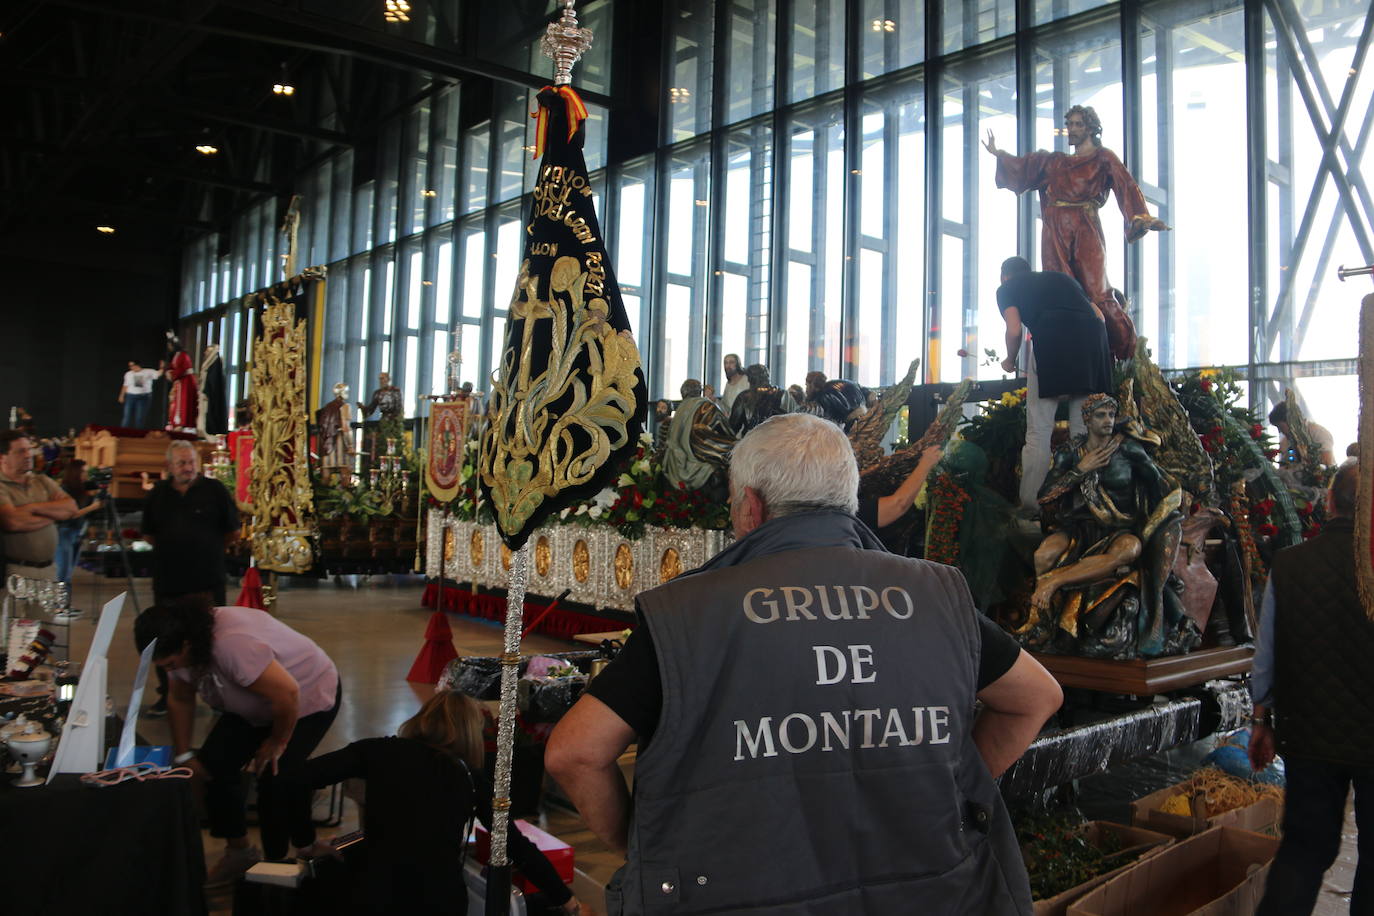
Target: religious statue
(698, 443)
(335, 434)
(663, 421)
(1103, 575)
(759, 401)
(183, 400)
(386, 400)
(1072, 189)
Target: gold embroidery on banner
(543, 556)
(581, 561)
(475, 551)
(280, 490)
(624, 567)
(553, 426)
(505, 558)
(670, 565)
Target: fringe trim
(1364, 512)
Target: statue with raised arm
(1072, 189)
(1103, 573)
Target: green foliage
(1059, 855)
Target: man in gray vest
(804, 705)
(1312, 689)
(699, 441)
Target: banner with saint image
(448, 431)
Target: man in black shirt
(189, 519)
(1066, 358)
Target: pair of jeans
(1035, 454)
(69, 535)
(1313, 815)
(136, 410)
(283, 812)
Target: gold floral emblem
(624, 566)
(475, 551)
(543, 556)
(670, 565)
(581, 561)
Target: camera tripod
(111, 517)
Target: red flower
(1256, 431)
(1271, 454)
(1206, 384)
(1267, 530)
(1265, 506)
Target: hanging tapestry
(568, 399)
(448, 431)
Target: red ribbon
(576, 110)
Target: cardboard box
(1262, 817)
(559, 854)
(1217, 873)
(1144, 842)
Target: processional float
(568, 398)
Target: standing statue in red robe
(183, 401)
(1072, 189)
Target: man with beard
(736, 383)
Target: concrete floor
(373, 633)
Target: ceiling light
(426, 282)
(679, 94)
(883, 25)
(283, 89)
(1092, 69)
(107, 230)
(396, 11)
(206, 149)
(428, 192)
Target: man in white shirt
(136, 394)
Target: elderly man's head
(691, 388)
(16, 453)
(183, 462)
(788, 464)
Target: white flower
(641, 466)
(625, 480)
(582, 509)
(564, 513)
(596, 512)
(605, 499)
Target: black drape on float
(569, 398)
(212, 389)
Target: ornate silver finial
(565, 43)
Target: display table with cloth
(130, 848)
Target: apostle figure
(183, 400)
(386, 400)
(335, 434)
(1072, 189)
(736, 382)
(1115, 529)
(759, 402)
(698, 443)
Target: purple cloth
(246, 642)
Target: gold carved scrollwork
(669, 565)
(543, 556)
(624, 567)
(280, 490)
(448, 546)
(581, 561)
(475, 551)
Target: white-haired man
(804, 708)
(189, 519)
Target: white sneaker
(232, 865)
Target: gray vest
(814, 752)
